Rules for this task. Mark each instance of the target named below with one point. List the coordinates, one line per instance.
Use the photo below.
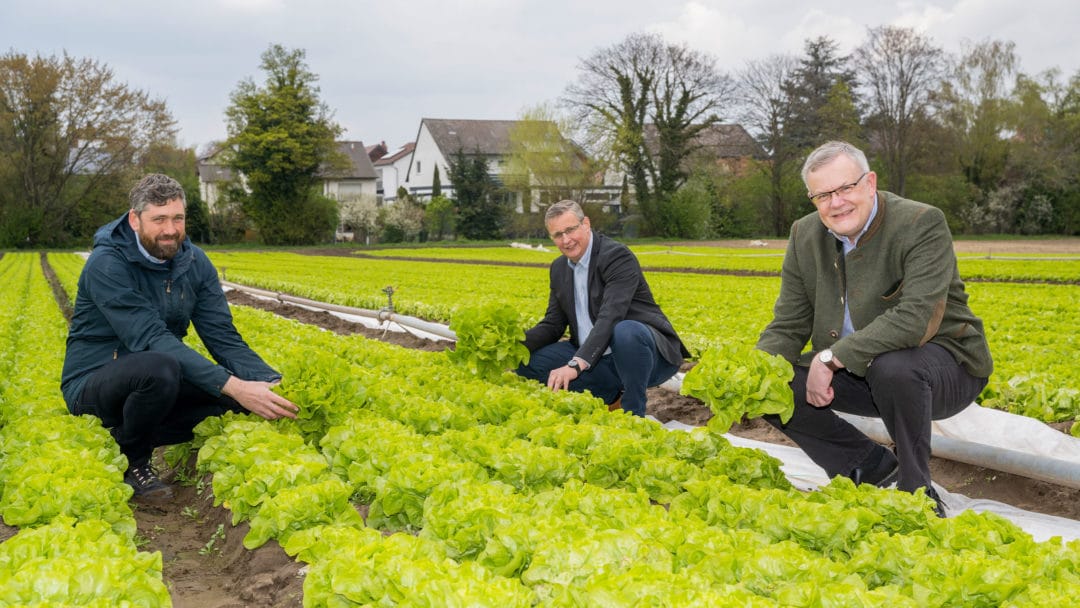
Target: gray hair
(828, 152)
(561, 207)
(155, 189)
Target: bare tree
(899, 69)
(766, 109)
(69, 135)
(645, 82)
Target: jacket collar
(119, 235)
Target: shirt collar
(584, 261)
(146, 253)
(869, 220)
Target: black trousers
(144, 401)
(907, 389)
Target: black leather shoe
(882, 474)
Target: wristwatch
(827, 358)
(574, 365)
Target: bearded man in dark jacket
(126, 363)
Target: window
(418, 167)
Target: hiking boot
(882, 474)
(147, 484)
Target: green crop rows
(1030, 327)
(500, 493)
(61, 476)
(1046, 267)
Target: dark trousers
(144, 401)
(633, 365)
(907, 389)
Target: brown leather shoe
(615, 405)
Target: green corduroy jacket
(903, 290)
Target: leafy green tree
(839, 116)
(282, 135)
(439, 218)
(70, 135)
(644, 102)
(976, 103)
(1046, 148)
(542, 164)
(481, 211)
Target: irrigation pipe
(381, 315)
(1026, 464)
(1045, 468)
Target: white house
(438, 140)
(392, 170)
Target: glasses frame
(825, 197)
(571, 230)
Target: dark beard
(160, 251)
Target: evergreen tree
(481, 213)
(436, 183)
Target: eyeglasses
(571, 230)
(846, 189)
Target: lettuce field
(409, 480)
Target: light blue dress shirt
(581, 294)
(849, 327)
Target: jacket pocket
(893, 292)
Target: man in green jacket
(871, 281)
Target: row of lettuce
(61, 476)
(1030, 326)
(501, 493)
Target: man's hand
(819, 391)
(561, 377)
(257, 398)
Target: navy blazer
(617, 291)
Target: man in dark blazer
(620, 341)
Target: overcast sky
(385, 65)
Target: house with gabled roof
(728, 145)
(438, 140)
(357, 178)
(392, 170)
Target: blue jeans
(633, 365)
